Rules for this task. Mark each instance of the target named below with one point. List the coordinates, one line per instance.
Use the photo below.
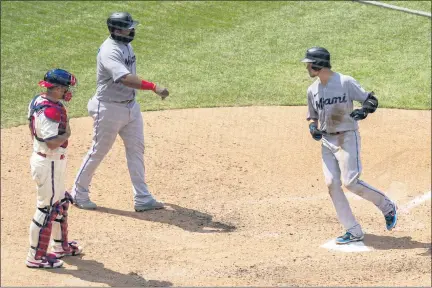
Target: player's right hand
(316, 134)
(162, 92)
(359, 114)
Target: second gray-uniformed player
(115, 112)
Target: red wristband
(147, 85)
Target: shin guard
(44, 218)
(69, 248)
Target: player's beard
(124, 38)
(312, 73)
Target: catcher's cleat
(391, 218)
(87, 205)
(348, 237)
(48, 262)
(74, 249)
(152, 205)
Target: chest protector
(53, 111)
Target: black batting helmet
(319, 57)
(121, 21)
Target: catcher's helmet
(121, 21)
(59, 77)
(319, 57)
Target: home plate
(350, 247)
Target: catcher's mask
(319, 57)
(60, 77)
(121, 21)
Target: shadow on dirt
(94, 271)
(427, 253)
(187, 219)
(389, 242)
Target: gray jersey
(114, 60)
(333, 103)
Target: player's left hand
(359, 114)
(162, 92)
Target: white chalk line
(359, 246)
(415, 202)
(393, 7)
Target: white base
(358, 246)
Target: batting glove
(316, 134)
(358, 114)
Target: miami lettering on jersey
(330, 101)
(130, 60)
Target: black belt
(126, 101)
(335, 133)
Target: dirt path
(248, 205)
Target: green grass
(218, 53)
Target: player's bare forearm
(135, 82)
(57, 142)
(131, 81)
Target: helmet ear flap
(316, 67)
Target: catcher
(50, 131)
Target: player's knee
(40, 215)
(98, 154)
(134, 147)
(351, 184)
(333, 183)
(64, 203)
(135, 150)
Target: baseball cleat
(87, 205)
(48, 262)
(391, 218)
(348, 237)
(152, 205)
(74, 249)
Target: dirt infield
(247, 205)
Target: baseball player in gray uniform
(115, 112)
(330, 101)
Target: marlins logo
(330, 101)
